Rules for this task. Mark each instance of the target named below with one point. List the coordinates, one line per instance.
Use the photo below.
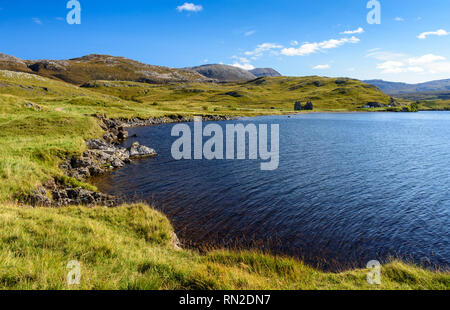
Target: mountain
(99, 67)
(224, 73)
(12, 63)
(261, 72)
(395, 88)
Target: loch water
(350, 188)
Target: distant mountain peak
(397, 88)
(223, 73)
(261, 72)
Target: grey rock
(117, 163)
(33, 106)
(137, 150)
(39, 198)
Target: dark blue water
(350, 188)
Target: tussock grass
(131, 247)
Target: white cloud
(425, 59)
(190, 7)
(397, 67)
(357, 31)
(426, 64)
(321, 67)
(294, 43)
(249, 33)
(439, 67)
(245, 66)
(391, 66)
(260, 49)
(379, 54)
(399, 19)
(440, 32)
(311, 48)
(243, 63)
(305, 49)
(37, 21)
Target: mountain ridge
(261, 72)
(99, 67)
(223, 73)
(397, 88)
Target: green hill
(259, 96)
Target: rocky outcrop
(56, 193)
(102, 156)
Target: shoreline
(104, 155)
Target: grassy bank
(131, 247)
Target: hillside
(99, 67)
(223, 73)
(272, 95)
(395, 88)
(262, 72)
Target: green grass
(436, 104)
(131, 247)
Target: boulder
(137, 150)
(33, 106)
(39, 198)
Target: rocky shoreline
(102, 156)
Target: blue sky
(296, 37)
